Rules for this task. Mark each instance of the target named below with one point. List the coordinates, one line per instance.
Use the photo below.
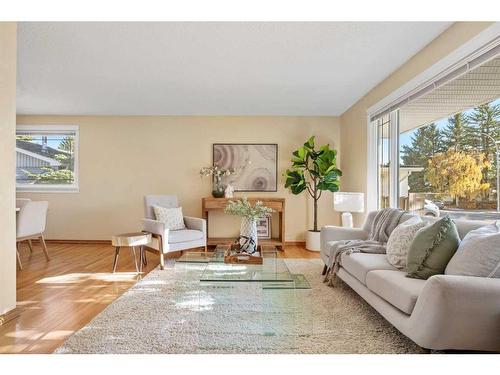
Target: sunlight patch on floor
(80, 277)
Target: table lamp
(346, 203)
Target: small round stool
(131, 240)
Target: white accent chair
(31, 220)
(165, 240)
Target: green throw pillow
(432, 248)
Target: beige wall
(124, 158)
(7, 166)
(354, 121)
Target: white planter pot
(248, 229)
(313, 242)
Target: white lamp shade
(349, 202)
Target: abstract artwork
(255, 165)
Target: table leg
(115, 262)
(135, 259)
(144, 256)
(143, 261)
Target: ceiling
(196, 68)
(476, 87)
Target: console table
(218, 204)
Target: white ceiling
(209, 68)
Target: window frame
(54, 188)
(474, 48)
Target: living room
(228, 187)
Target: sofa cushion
(400, 240)
(184, 235)
(359, 264)
(478, 253)
(432, 248)
(397, 289)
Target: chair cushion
(184, 235)
(396, 288)
(359, 264)
(172, 217)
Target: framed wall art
(255, 165)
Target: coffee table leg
(135, 259)
(115, 262)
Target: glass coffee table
(246, 300)
(273, 273)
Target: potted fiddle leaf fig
(314, 171)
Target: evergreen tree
(485, 121)
(458, 135)
(425, 143)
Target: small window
(47, 158)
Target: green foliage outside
(63, 175)
(51, 176)
(463, 133)
(313, 170)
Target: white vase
(313, 241)
(248, 229)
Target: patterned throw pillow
(400, 240)
(172, 217)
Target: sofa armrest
(155, 227)
(458, 312)
(334, 233)
(195, 223)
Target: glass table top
(272, 273)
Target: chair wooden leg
(30, 245)
(44, 247)
(325, 268)
(206, 250)
(19, 264)
(162, 261)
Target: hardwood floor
(59, 297)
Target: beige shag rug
(170, 312)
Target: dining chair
(31, 221)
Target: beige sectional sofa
(443, 312)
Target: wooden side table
(131, 240)
(210, 204)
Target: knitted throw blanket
(382, 226)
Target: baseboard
(295, 243)
(108, 242)
(98, 242)
(9, 316)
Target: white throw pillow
(478, 253)
(400, 240)
(172, 217)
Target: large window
(437, 151)
(451, 163)
(47, 158)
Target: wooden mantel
(218, 204)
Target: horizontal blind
(466, 66)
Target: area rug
(169, 311)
